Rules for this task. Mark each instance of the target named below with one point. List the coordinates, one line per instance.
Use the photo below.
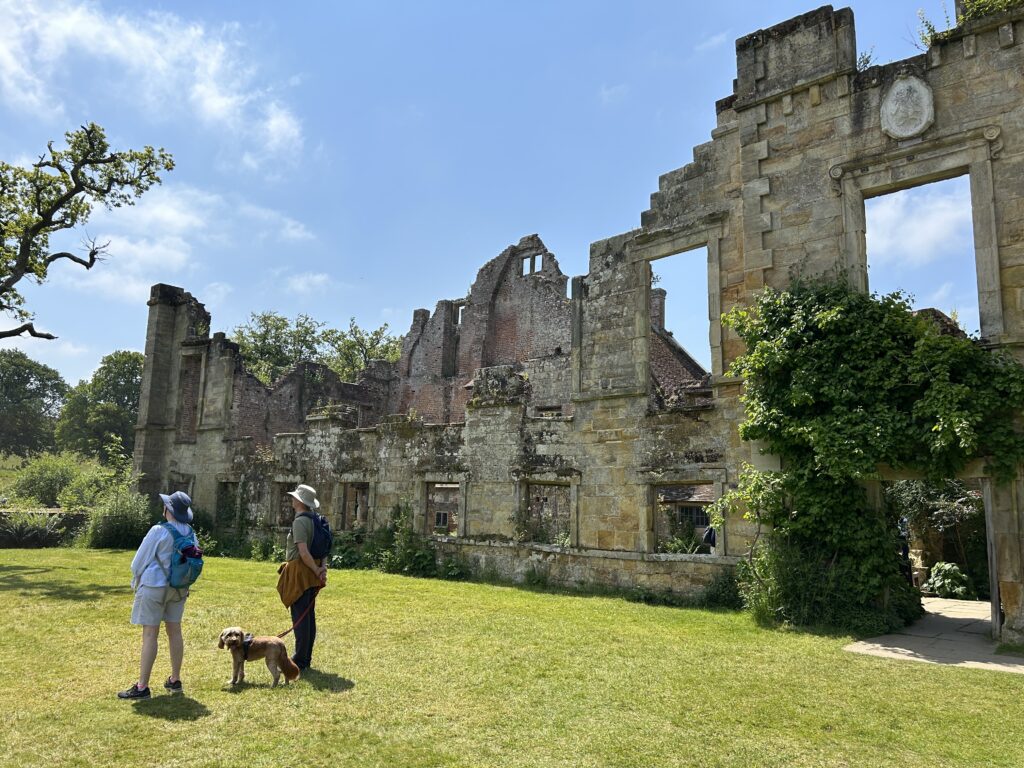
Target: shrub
(722, 592)
(30, 530)
(948, 581)
(120, 521)
(266, 549)
(45, 477)
(455, 568)
(411, 553)
(85, 490)
(790, 583)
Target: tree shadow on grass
(37, 581)
(171, 708)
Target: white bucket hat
(307, 495)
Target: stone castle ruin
(572, 436)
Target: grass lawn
(431, 673)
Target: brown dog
(270, 649)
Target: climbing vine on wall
(837, 383)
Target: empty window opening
(680, 339)
(227, 503)
(459, 310)
(681, 517)
(532, 263)
(921, 241)
(285, 513)
(546, 515)
(354, 504)
(443, 508)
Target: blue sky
(365, 159)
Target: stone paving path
(957, 632)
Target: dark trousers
(305, 630)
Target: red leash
(304, 613)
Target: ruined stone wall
(800, 145)
(508, 317)
(778, 190)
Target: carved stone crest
(907, 108)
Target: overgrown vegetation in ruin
(270, 344)
(970, 10)
(838, 383)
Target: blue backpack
(323, 539)
(186, 559)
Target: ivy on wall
(837, 383)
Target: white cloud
(712, 42)
(215, 293)
(613, 94)
(275, 224)
(940, 295)
(308, 282)
(918, 226)
(132, 267)
(170, 209)
(154, 58)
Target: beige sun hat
(307, 495)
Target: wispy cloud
(215, 293)
(940, 295)
(712, 42)
(308, 282)
(155, 59)
(919, 226)
(611, 95)
(276, 225)
(161, 238)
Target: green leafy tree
(31, 395)
(105, 406)
(352, 350)
(270, 344)
(57, 193)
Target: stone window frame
(531, 264)
(699, 530)
(914, 163)
(697, 475)
(280, 485)
(706, 232)
(421, 521)
(189, 353)
(338, 496)
(523, 480)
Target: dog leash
(304, 613)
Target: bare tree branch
(29, 328)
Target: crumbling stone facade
(516, 387)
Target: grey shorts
(155, 604)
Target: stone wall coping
(607, 554)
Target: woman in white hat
(302, 575)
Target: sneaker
(134, 693)
(174, 687)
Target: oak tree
(57, 193)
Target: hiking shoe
(174, 687)
(134, 693)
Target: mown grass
(430, 673)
